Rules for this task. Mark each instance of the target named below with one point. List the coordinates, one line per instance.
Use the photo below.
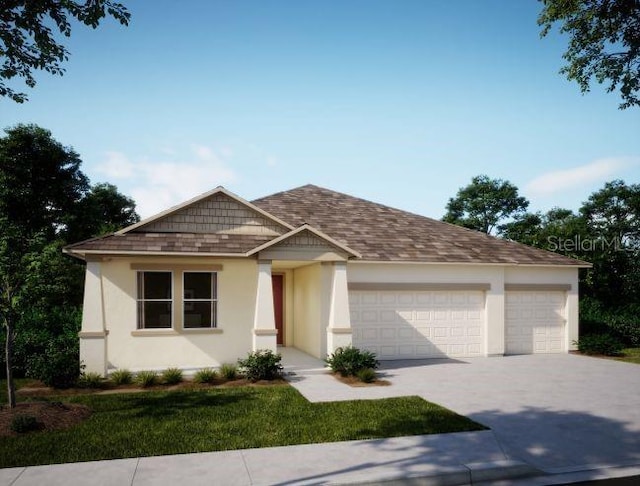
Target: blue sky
(400, 102)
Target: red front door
(278, 308)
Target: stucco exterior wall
(307, 309)
(135, 349)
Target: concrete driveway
(556, 412)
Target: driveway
(556, 412)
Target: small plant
(24, 423)
(147, 378)
(206, 375)
(229, 371)
(91, 380)
(366, 375)
(263, 364)
(172, 376)
(349, 360)
(604, 344)
(121, 377)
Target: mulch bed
(355, 381)
(49, 415)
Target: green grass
(173, 422)
(630, 355)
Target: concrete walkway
(570, 418)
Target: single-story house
(207, 281)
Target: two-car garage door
(418, 324)
(438, 324)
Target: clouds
(598, 171)
(156, 185)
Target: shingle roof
(382, 233)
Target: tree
(28, 43)
(484, 203)
(45, 200)
(604, 43)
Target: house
(207, 281)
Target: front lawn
(173, 422)
(630, 355)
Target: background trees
(46, 201)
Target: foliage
(629, 355)
(229, 371)
(604, 344)
(348, 361)
(58, 364)
(484, 203)
(205, 375)
(366, 375)
(121, 377)
(262, 364)
(91, 380)
(172, 376)
(28, 42)
(604, 43)
(147, 378)
(23, 423)
(622, 322)
(173, 422)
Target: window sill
(202, 330)
(155, 332)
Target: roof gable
(216, 212)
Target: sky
(401, 102)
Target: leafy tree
(28, 42)
(484, 203)
(604, 43)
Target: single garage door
(535, 322)
(418, 324)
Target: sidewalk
(448, 459)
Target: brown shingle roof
(382, 233)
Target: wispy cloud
(157, 185)
(599, 170)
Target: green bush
(121, 377)
(206, 375)
(229, 371)
(24, 423)
(263, 364)
(172, 376)
(147, 378)
(91, 380)
(622, 323)
(348, 361)
(367, 375)
(600, 344)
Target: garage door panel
(426, 324)
(535, 322)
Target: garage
(418, 324)
(535, 322)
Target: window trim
(139, 299)
(213, 300)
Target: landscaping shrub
(367, 375)
(263, 364)
(206, 375)
(121, 377)
(172, 376)
(348, 361)
(24, 423)
(600, 344)
(622, 323)
(91, 380)
(147, 378)
(229, 371)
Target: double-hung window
(155, 300)
(200, 299)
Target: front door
(278, 307)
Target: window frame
(213, 301)
(141, 299)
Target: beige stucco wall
(307, 309)
(129, 348)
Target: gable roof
(219, 223)
(381, 233)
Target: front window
(200, 299)
(155, 300)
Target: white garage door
(535, 322)
(418, 324)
